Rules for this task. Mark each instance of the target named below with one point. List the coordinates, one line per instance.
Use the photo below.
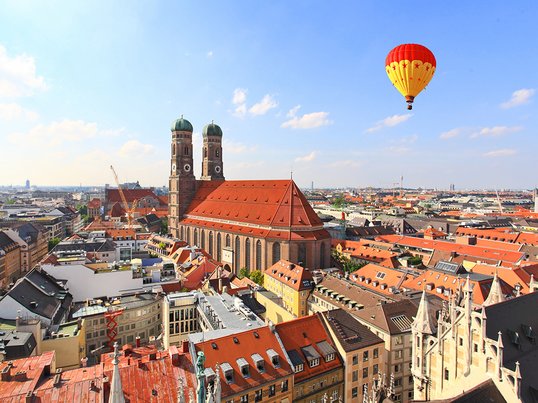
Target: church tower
(212, 168)
(182, 180)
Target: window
(329, 357)
(375, 369)
(475, 348)
(461, 341)
(237, 253)
(398, 340)
(447, 374)
(202, 239)
(410, 380)
(272, 390)
(398, 382)
(247, 254)
(355, 376)
(258, 255)
(376, 352)
(410, 395)
(397, 368)
(301, 257)
(299, 368)
(322, 256)
(284, 386)
(227, 241)
(354, 392)
(276, 252)
(365, 372)
(244, 399)
(218, 246)
(398, 354)
(313, 363)
(365, 356)
(258, 395)
(355, 359)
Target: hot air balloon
(410, 68)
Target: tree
(257, 277)
(164, 226)
(53, 242)
(414, 261)
(339, 202)
(243, 272)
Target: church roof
(263, 208)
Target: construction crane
(499, 202)
(128, 211)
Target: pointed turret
(116, 390)
(422, 323)
(495, 293)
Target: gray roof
(310, 352)
(17, 344)
(517, 320)
(350, 333)
(295, 357)
(325, 348)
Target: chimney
(6, 372)
(29, 398)
(137, 341)
(153, 356)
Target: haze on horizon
(295, 86)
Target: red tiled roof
(470, 250)
(511, 276)
(112, 195)
(291, 274)
(120, 233)
(229, 349)
(379, 278)
(307, 331)
(272, 203)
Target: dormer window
(329, 357)
(311, 355)
(274, 358)
(258, 362)
(243, 367)
(228, 372)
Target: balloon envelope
(410, 68)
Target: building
(361, 350)
(251, 366)
(293, 283)
(95, 208)
(141, 197)
(38, 296)
(32, 240)
(180, 317)
(467, 347)
(244, 224)
(10, 260)
(317, 366)
(392, 322)
(127, 319)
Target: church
(248, 224)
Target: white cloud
(18, 75)
(209, 54)
(240, 96)
(519, 97)
(306, 121)
(504, 152)
(307, 158)
(234, 147)
(261, 108)
(496, 131)
(450, 134)
(57, 133)
(345, 164)
(134, 148)
(389, 121)
(14, 111)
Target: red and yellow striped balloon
(410, 68)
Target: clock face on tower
(217, 169)
(173, 167)
(187, 167)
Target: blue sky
(295, 85)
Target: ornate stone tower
(212, 168)
(182, 180)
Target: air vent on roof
(214, 345)
(514, 337)
(304, 335)
(236, 340)
(256, 335)
(527, 331)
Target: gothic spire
(422, 321)
(495, 293)
(116, 390)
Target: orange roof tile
(307, 331)
(511, 276)
(379, 278)
(291, 274)
(229, 349)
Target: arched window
(301, 256)
(202, 239)
(195, 242)
(217, 152)
(237, 254)
(322, 256)
(258, 255)
(188, 235)
(228, 241)
(276, 252)
(205, 152)
(247, 254)
(219, 246)
(182, 234)
(211, 243)
(173, 148)
(186, 150)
